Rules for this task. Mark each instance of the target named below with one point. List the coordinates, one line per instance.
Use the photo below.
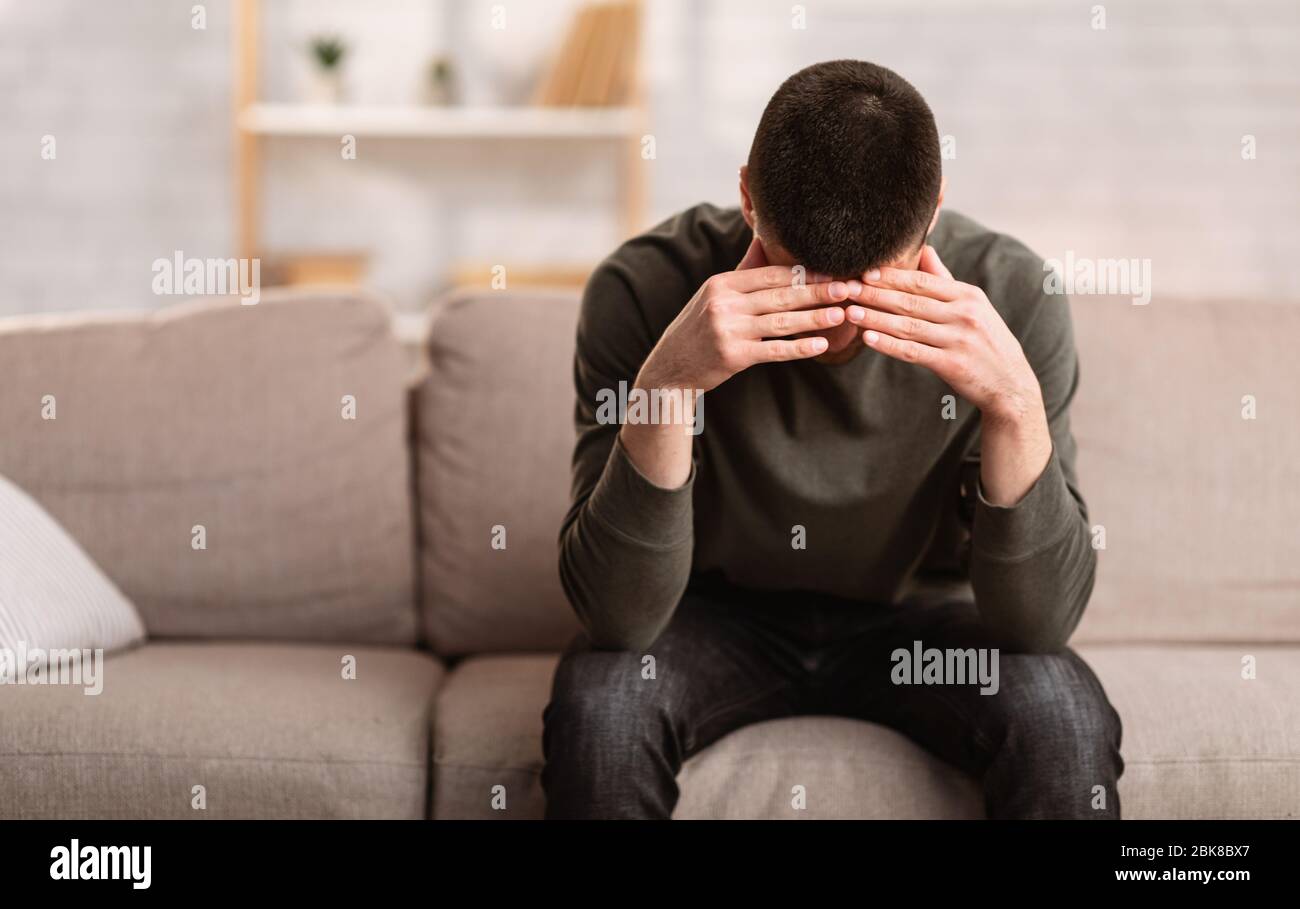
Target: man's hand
(736, 320)
(928, 318)
(740, 318)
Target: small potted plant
(440, 87)
(327, 52)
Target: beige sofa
(371, 538)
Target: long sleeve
(626, 544)
(1032, 564)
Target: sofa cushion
(488, 733)
(269, 731)
(847, 769)
(495, 434)
(1199, 742)
(1198, 504)
(201, 457)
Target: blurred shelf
(330, 268)
(440, 122)
(520, 275)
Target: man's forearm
(625, 554)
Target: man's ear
(943, 184)
(746, 202)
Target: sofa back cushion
(202, 456)
(1199, 502)
(494, 434)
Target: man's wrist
(649, 378)
(1016, 413)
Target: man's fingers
(908, 328)
(755, 256)
(776, 324)
(932, 264)
(901, 349)
(905, 304)
(799, 296)
(780, 351)
(920, 283)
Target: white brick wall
(1117, 143)
(1122, 142)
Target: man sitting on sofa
(886, 472)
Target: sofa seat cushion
(488, 733)
(847, 769)
(269, 731)
(1199, 742)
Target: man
(888, 392)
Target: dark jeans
(615, 741)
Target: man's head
(844, 174)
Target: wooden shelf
(620, 128)
(440, 122)
(522, 274)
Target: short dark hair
(845, 167)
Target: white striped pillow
(52, 595)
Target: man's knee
(603, 695)
(1053, 739)
(1054, 703)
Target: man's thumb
(755, 257)
(931, 263)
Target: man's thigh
(1052, 698)
(715, 668)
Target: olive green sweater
(857, 462)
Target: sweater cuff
(1046, 513)
(626, 501)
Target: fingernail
(872, 337)
(856, 313)
(855, 288)
(819, 344)
(835, 315)
(838, 288)
(873, 275)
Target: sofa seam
(1286, 759)
(459, 766)
(192, 757)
